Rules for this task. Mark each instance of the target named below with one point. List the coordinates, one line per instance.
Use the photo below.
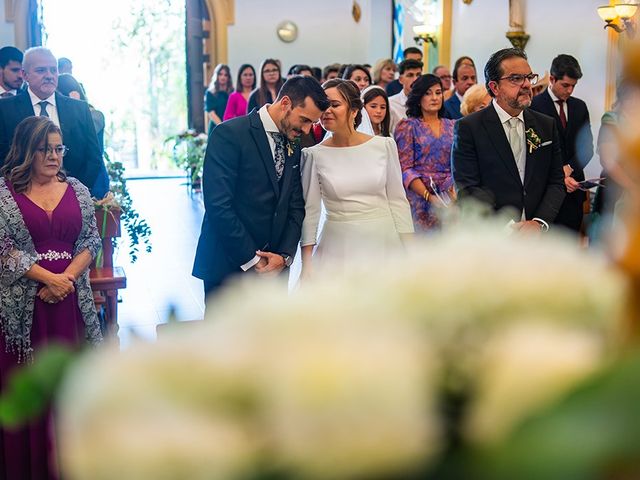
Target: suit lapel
(63, 114)
(496, 134)
(24, 106)
(288, 169)
(260, 138)
(530, 122)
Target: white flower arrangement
(344, 378)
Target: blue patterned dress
(424, 156)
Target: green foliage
(137, 228)
(188, 153)
(32, 387)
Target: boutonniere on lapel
(291, 145)
(533, 140)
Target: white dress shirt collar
(2, 90)
(267, 122)
(503, 115)
(35, 100)
(458, 95)
(551, 94)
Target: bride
(358, 180)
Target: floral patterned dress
(425, 156)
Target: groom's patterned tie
(279, 155)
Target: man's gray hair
(34, 51)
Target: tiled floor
(161, 280)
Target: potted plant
(116, 208)
(188, 153)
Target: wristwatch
(288, 259)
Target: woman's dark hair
(493, 69)
(68, 84)
(299, 68)
(242, 68)
(350, 93)
(299, 87)
(263, 93)
(419, 90)
(348, 71)
(30, 134)
(374, 92)
(214, 86)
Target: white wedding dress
(361, 190)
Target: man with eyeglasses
(443, 73)
(576, 140)
(83, 160)
(507, 155)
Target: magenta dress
(424, 156)
(236, 106)
(29, 452)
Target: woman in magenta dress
(48, 238)
(238, 100)
(424, 141)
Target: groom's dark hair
(298, 87)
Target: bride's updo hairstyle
(350, 93)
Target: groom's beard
(287, 129)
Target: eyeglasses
(61, 150)
(518, 80)
(271, 71)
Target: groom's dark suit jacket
(84, 158)
(483, 165)
(246, 208)
(576, 143)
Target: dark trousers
(572, 211)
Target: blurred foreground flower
(350, 376)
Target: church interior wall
(327, 32)
(7, 31)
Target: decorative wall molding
(9, 11)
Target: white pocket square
(546, 143)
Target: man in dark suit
(507, 155)
(464, 77)
(10, 71)
(252, 188)
(83, 160)
(576, 141)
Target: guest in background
(576, 141)
(443, 73)
(70, 87)
(376, 103)
(269, 86)
(10, 71)
(317, 73)
(464, 76)
(424, 141)
(409, 71)
(474, 99)
(542, 85)
(65, 66)
(384, 72)
(410, 53)
(48, 239)
(239, 100)
(217, 95)
(358, 74)
(304, 70)
(84, 159)
(330, 71)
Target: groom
(252, 189)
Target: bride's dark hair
(351, 94)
